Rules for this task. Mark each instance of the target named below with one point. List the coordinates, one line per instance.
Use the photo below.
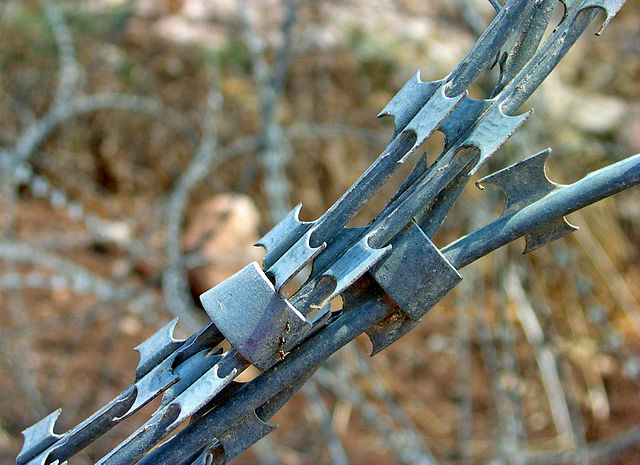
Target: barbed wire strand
(464, 402)
(320, 414)
(513, 444)
(274, 152)
(336, 379)
(544, 355)
(175, 282)
(579, 451)
(68, 69)
(406, 429)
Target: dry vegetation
(169, 122)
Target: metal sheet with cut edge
(415, 274)
(282, 236)
(432, 115)
(340, 242)
(189, 371)
(156, 348)
(257, 322)
(197, 394)
(524, 183)
(547, 232)
(421, 107)
(481, 124)
(352, 264)
(490, 132)
(170, 416)
(462, 118)
(293, 260)
(153, 384)
(37, 438)
(408, 101)
(611, 8)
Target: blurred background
(145, 145)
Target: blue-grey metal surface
(388, 273)
(244, 433)
(282, 236)
(155, 349)
(554, 206)
(367, 305)
(524, 183)
(154, 382)
(357, 260)
(247, 309)
(170, 416)
(415, 274)
(38, 438)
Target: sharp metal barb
(523, 182)
(593, 187)
(389, 273)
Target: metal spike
(408, 101)
(156, 348)
(282, 236)
(154, 383)
(355, 262)
(188, 372)
(163, 376)
(169, 417)
(432, 115)
(242, 435)
(610, 7)
(421, 107)
(200, 393)
(293, 260)
(481, 124)
(490, 132)
(339, 243)
(38, 437)
(524, 182)
(547, 232)
(462, 119)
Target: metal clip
(247, 309)
(416, 276)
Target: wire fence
(152, 110)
